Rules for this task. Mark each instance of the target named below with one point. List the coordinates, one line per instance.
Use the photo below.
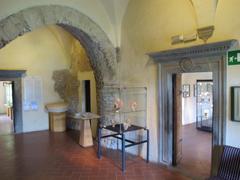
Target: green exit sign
(234, 57)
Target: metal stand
(121, 135)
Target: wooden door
(177, 118)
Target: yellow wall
(148, 27)
(40, 53)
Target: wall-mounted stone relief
(66, 85)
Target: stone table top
(84, 115)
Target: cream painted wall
(40, 53)
(233, 128)
(148, 27)
(189, 103)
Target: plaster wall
(148, 27)
(233, 127)
(40, 53)
(189, 103)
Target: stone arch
(101, 52)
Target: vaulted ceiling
(205, 11)
(115, 10)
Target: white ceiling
(115, 10)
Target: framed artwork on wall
(235, 103)
(186, 90)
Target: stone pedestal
(85, 138)
(57, 122)
(57, 116)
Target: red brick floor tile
(56, 156)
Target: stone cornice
(212, 49)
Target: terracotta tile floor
(196, 151)
(44, 155)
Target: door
(177, 118)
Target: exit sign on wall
(234, 57)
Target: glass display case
(204, 105)
(123, 111)
(126, 106)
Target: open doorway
(193, 115)
(6, 108)
(86, 96)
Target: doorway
(201, 58)
(86, 96)
(6, 108)
(193, 115)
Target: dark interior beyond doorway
(87, 95)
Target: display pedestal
(57, 122)
(85, 139)
(57, 116)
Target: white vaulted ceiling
(116, 10)
(205, 11)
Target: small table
(119, 130)
(85, 138)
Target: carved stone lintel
(212, 49)
(186, 64)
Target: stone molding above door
(205, 50)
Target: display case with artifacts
(124, 111)
(204, 105)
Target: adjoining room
(6, 108)
(196, 129)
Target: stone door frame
(16, 77)
(201, 58)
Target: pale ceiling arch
(205, 11)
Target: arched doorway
(101, 52)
